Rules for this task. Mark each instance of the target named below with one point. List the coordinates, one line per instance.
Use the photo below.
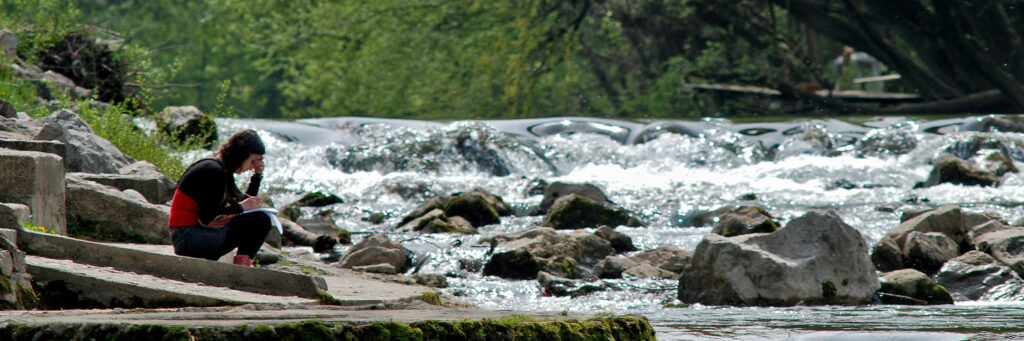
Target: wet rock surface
(815, 259)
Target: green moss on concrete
(384, 331)
(432, 298)
(326, 299)
(512, 328)
(155, 332)
(306, 330)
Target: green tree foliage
(464, 59)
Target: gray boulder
(36, 180)
(437, 221)
(620, 241)
(105, 213)
(668, 258)
(558, 286)
(889, 254)
(187, 122)
(928, 251)
(478, 207)
(976, 232)
(431, 280)
(1005, 246)
(522, 254)
(974, 219)
(815, 259)
(745, 220)
(560, 189)
(86, 151)
(619, 266)
(574, 211)
(909, 286)
(976, 276)
(954, 170)
(377, 249)
(298, 235)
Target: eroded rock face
(897, 286)
(815, 259)
(976, 276)
(377, 249)
(891, 252)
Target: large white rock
(37, 180)
(815, 259)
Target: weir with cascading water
(664, 173)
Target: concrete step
(347, 287)
(178, 268)
(111, 287)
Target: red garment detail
(184, 210)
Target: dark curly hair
(239, 147)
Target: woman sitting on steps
(207, 219)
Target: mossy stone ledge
(511, 328)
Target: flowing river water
(663, 172)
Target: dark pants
(245, 232)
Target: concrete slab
(115, 288)
(53, 147)
(35, 179)
(172, 267)
(348, 287)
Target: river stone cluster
(971, 255)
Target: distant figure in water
(206, 213)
